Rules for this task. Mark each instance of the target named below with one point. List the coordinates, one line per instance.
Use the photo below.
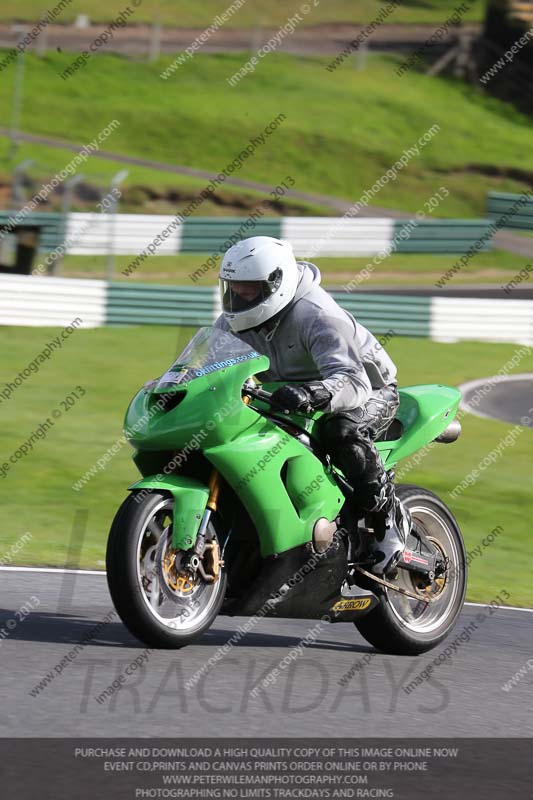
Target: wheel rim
(420, 616)
(178, 605)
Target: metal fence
(501, 204)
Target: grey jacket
(313, 338)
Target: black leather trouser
(348, 437)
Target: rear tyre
(157, 600)
(403, 626)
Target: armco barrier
(330, 236)
(124, 234)
(26, 300)
(486, 320)
(343, 236)
(501, 203)
(406, 316)
(150, 304)
(216, 234)
(131, 234)
(51, 225)
(312, 237)
(441, 236)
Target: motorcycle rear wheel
(400, 625)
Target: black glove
(307, 397)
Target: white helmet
(270, 268)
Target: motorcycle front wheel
(157, 598)
(402, 625)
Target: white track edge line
(54, 569)
(102, 572)
(504, 608)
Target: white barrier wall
(124, 234)
(316, 236)
(54, 302)
(27, 300)
(131, 234)
(487, 320)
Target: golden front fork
(214, 490)
(211, 505)
(210, 549)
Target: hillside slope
(338, 132)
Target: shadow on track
(70, 629)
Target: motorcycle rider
(332, 362)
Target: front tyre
(157, 598)
(404, 626)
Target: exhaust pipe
(451, 433)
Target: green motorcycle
(240, 512)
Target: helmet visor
(244, 295)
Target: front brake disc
(175, 582)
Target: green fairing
(250, 451)
(190, 498)
(283, 513)
(425, 411)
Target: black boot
(391, 523)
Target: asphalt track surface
(322, 39)
(464, 697)
(510, 399)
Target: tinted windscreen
(210, 350)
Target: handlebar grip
(262, 394)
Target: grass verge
(402, 269)
(261, 12)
